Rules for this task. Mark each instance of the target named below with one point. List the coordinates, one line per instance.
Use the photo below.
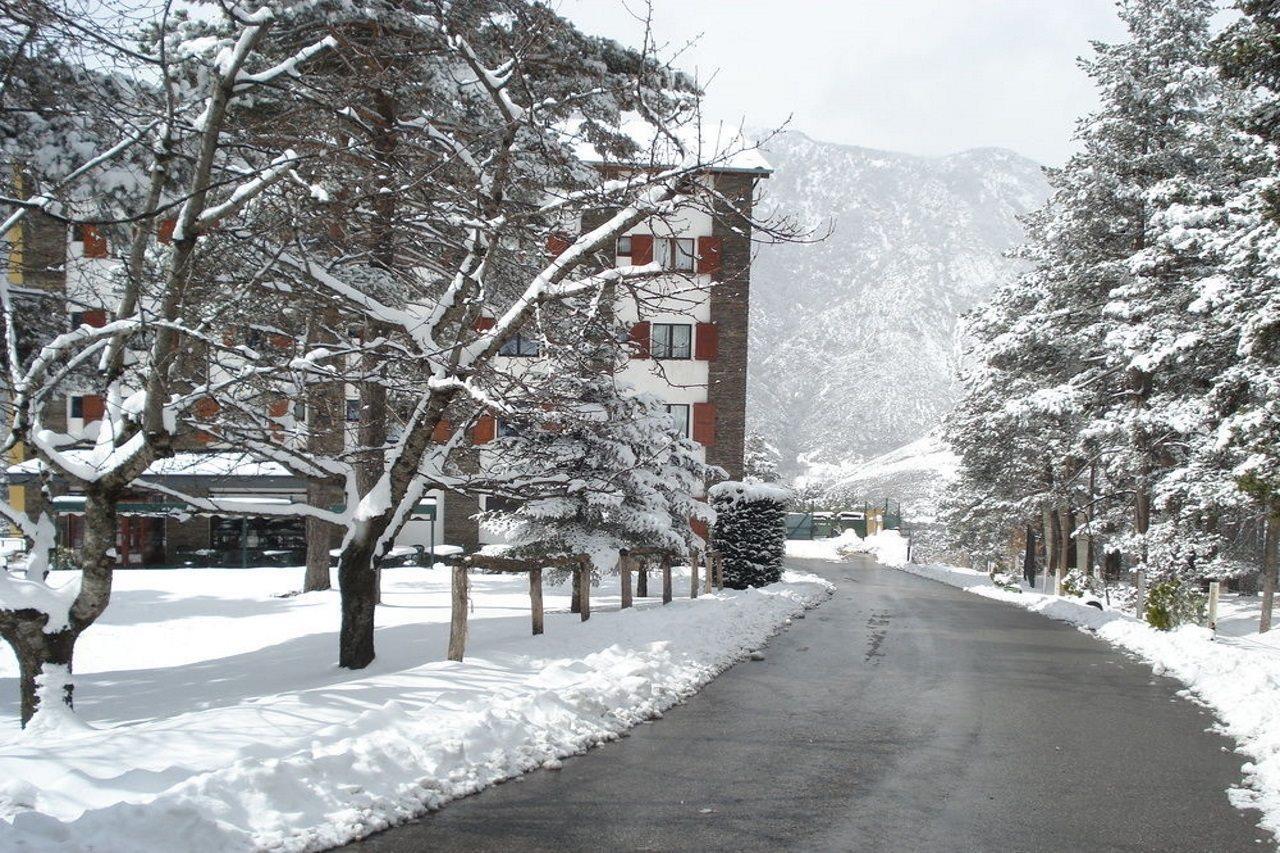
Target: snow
(220, 721)
(886, 546)
(733, 492)
(1236, 673)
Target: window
(521, 346)
(624, 247)
(671, 340)
(300, 411)
(507, 429)
(680, 417)
(353, 410)
(683, 254)
(676, 253)
(77, 407)
(77, 320)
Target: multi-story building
(690, 350)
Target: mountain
(914, 475)
(854, 339)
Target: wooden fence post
(584, 582)
(1214, 590)
(666, 580)
(458, 618)
(535, 598)
(624, 570)
(642, 577)
(693, 574)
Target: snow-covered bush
(1172, 603)
(750, 531)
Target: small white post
(1058, 579)
(1140, 600)
(1214, 587)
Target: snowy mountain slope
(854, 339)
(914, 474)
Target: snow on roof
(721, 145)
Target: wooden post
(693, 574)
(707, 569)
(642, 578)
(458, 620)
(1140, 600)
(666, 580)
(624, 569)
(535, 598)
(1214, 588)
(720, 571)
(584, 582)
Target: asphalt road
(901, 715)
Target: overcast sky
(922, 76)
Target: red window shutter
(93, 407)
(165, 233)
(641, 249)
(203, 437)
(709, 255)
(707, 343)
(278, 407)
(281, 341)
(95, 245)
(558, 244)
(484, 324)
(699, 528)
(484, 430)
(97, 318)
(640, 336)
(443, 431)
(704, 424)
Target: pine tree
(750, 533)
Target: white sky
(921, 76)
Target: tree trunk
(1270, 564)
(458, 613)
(666, 580)
(707, 569)
(535, 599)
(693, 574)
(575, 602)
(1029, 556)
(1050, 541)
(642, 578)
(357, 587)
(318, 539)
(38, 654)
(584, 579)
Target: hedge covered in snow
(750, 531)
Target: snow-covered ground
(219, 720)
(1235, 673)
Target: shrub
(750, 532)
(1172, 603)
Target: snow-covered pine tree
(750, 532)
(760, 459)
(608, 468)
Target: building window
(353, 410)
(680, 417)
(677, 253)
(521, 346)
(77, 407)
(624, 247)
(507, 429)
(671, 340)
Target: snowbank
(888, 547)
(233, 730)
(1238, 678)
